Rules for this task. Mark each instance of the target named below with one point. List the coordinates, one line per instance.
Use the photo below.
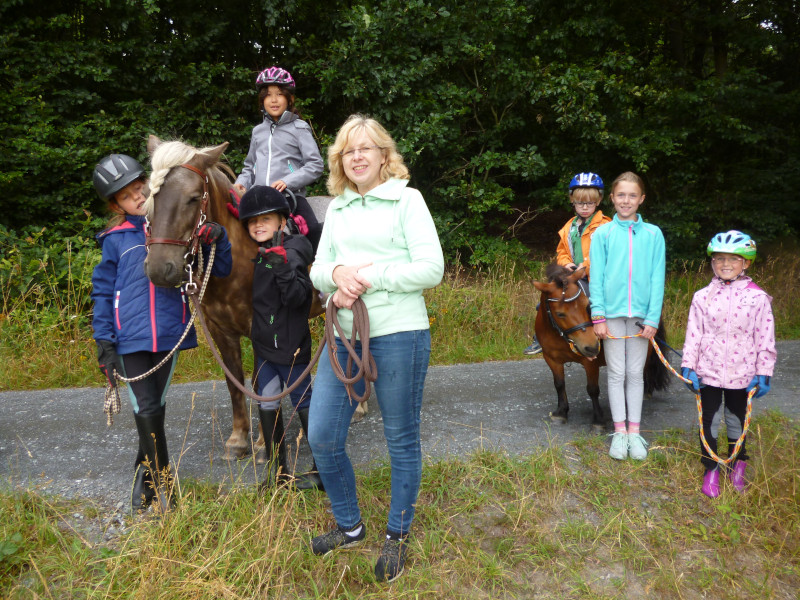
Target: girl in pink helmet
(283, 152)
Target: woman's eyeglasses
(361, 151)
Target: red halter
(192, 243)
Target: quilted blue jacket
(128, 309)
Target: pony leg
(592, 369)
(238, 444)
(560, 415)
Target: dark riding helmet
(114, 172)
(260, 200)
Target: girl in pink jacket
(729, 349)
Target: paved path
(57, 440)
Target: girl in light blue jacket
(627, 289)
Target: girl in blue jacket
(283, 153)
(627, 288)
(137, 324)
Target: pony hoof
(261, 455)
(558, 419)
(236, 452)
(598, 428)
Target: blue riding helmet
(733, 242)
(586, 180)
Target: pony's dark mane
(555, 273)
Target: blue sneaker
(637, 447)
(534, 348)
(619, 445)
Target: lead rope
(747, 417)
(112, 405)
(367, 369)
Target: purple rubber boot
(711, 483)
(737, 476)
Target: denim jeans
(402, 362)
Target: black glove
(210, 232)
(108, 359)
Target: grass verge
(474, 315)
(562, 522)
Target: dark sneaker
(534, 348)
(338, 538)
(392, 559)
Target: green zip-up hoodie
(391, 228)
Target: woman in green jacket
(378, 243)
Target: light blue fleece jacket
(392, 228)
(628, 266)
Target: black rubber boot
(275, 446)
(142, 492)
(153, 440)
(310, 480)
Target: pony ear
(577, 274)
(211, 156)
(153, 142)
(550, 287)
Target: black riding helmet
(114, 172)
(260, 200)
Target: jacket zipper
(727, 339)
(630, 268)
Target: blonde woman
(378, 243)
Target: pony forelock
(167, 156)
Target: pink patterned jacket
(730, 336)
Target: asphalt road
(57, 442)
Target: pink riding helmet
(275, 76)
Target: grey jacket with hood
(284, 150)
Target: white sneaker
(619, 445)
(637, 447)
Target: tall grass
(563, 522)
(475, 314)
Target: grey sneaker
(338, 538)
(619, 445)
(637, 447)
(534, 348)
(392, 559)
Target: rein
(747, 417)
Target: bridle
(193, 243)
(564, 333)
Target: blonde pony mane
(167, 156)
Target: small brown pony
(181, 177)
(564, 330)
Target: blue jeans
(402, 362)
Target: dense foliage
(495, 103)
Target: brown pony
(177, 186)
(564, 330)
